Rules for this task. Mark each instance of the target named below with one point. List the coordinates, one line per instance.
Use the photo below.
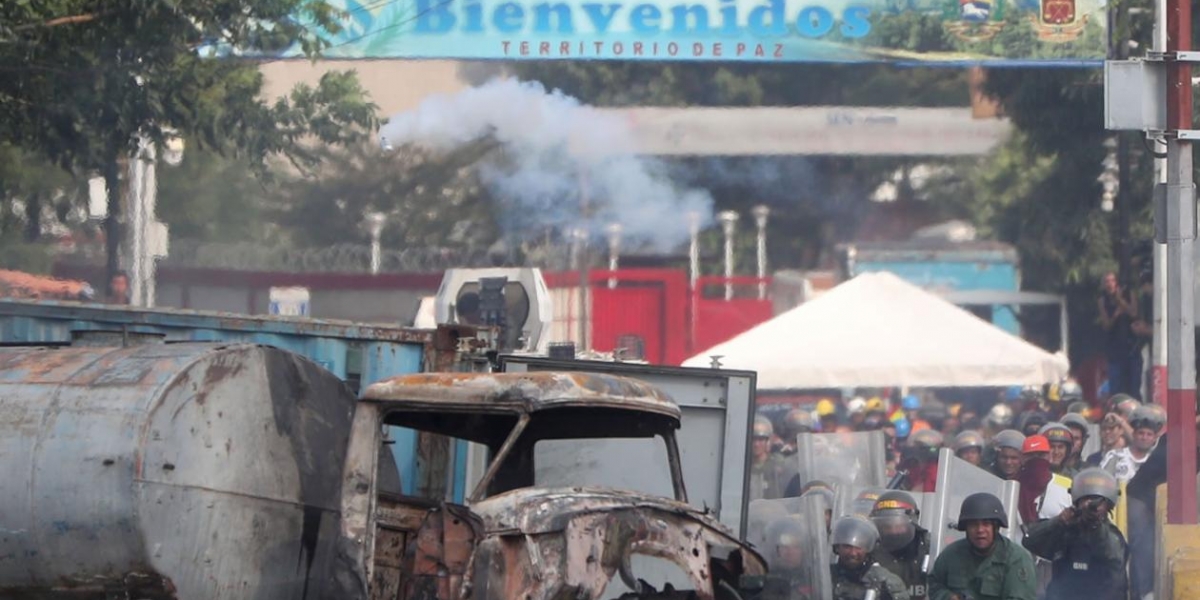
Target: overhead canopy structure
(877, 330)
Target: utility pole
(1154, 95)
(1179, 217)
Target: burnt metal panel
(717, 410)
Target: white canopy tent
(877, 330)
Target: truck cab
(514, 538)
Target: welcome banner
(1067, 32)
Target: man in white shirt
(1147, 422)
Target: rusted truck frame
(517, 541)
(198, 471)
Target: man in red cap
(1041, 496)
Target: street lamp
(728, 221)
(374, 222)
(760, 213)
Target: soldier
(905, 544)
(795, 422)
(968, 446)
(985, 565)
(1087, 551)
(919, 460)
(788, 576)
(1062, 443)
(1008, 446)
(855, 574)
(769, 475)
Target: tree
(86, 80)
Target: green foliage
(84, 80)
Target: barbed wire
(342, 258)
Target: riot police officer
(919, 460)
(787, 578)
(769, 475)
(904, 543)
(968, 446)
(1008, 446)
(985, 565)
(795, 422)
(856, 576)
(1088, 553)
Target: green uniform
(853, 585)
(1087, 562)
(908, 563)
(1005, 574)
(769, 480)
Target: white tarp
(877, 330)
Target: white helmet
(856, 406)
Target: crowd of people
(1071, 545)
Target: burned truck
(223, 471)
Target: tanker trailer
(192, 471)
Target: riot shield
(928, 502)
(956, 480)
(1092, 444)
(796, 546)
(848, 462)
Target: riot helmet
(896, 517)
(865, 501)
(1095, 482)
(1076, 422)
(981, 506)
(1057, 432)
(763, 428)
(1070, 391)
(968, 439)
(968, 446)
(1123, 404)
(816, 484)
(1148, 416)
(1079, 407)
(1009, 438)
(999, 417)
(798, 421)
(785, 543)
(924, 443)
(856, 531)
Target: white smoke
(557, 152)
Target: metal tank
(190, 471)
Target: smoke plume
(563, 164)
